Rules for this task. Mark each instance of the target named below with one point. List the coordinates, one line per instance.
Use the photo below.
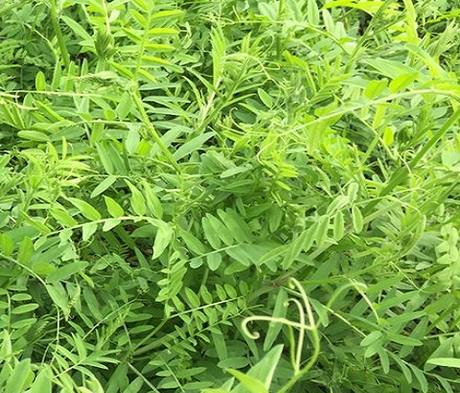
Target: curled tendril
(298, 356)
(255, 335)
(305, 310)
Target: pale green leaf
(18, 377)
(445, 362)
(88, 230)
(85, 209)
(42, 383)
(192, 145)
(114, 209)
(66, 271)
(211, 236)
(162, 239)
(63, 217)
(250, 383)
(279, 311)
(357, 218)
(137, 200)
(154, 205)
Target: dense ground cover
(229, 196)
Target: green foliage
(229, 196)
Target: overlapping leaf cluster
(175, 176)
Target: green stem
(314, 339)
(139, 349)
(355, 54)
(307, 367)
(279, 48)
(59, 36)
(156, 138)
(403, 172)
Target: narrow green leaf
(243, 253)
(85, 209)
(420, 376)
(240, 230)
(322, 229)
(26, 250)
(279, 311)
(66, 271)
(402, 365)
(137, 200)
(337, 204)
(79, 30)
(192, 242)
(357, 217)
(18, 377)
(153, 203)
(388, 136)
(214, 260)
(63, 218)
(210, 235)
(93, 304)
(166, 14)
(221, 230)
(122, 70)
(404, 340)
(135, 386)
(6, 348)
(374, 88)
(338, 229)
(313, 13)
(192, 145)
(265, 98)
(40, 81)
(195, 263)
(25, 308)
(36, 136)
(80, 346)
(104, 157)
(371, 338)
(265, 369)
(162, 239)
(6, 244)
(114, 209)
(445, 362)
(250, 383)
(153, 60)
(402, 81)
(384, 360)
(302, 243)
(88, 230)
(123, 108)
(110, 224)
(58, 295)
(131, 34)
(163, 31)
(272, 255)
(192, 297)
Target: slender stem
(58, 32)
(313, 328)
(146, 381)
(278, 36)
(354, 55)
(153, 133)
(403, 172)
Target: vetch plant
(174, 173)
